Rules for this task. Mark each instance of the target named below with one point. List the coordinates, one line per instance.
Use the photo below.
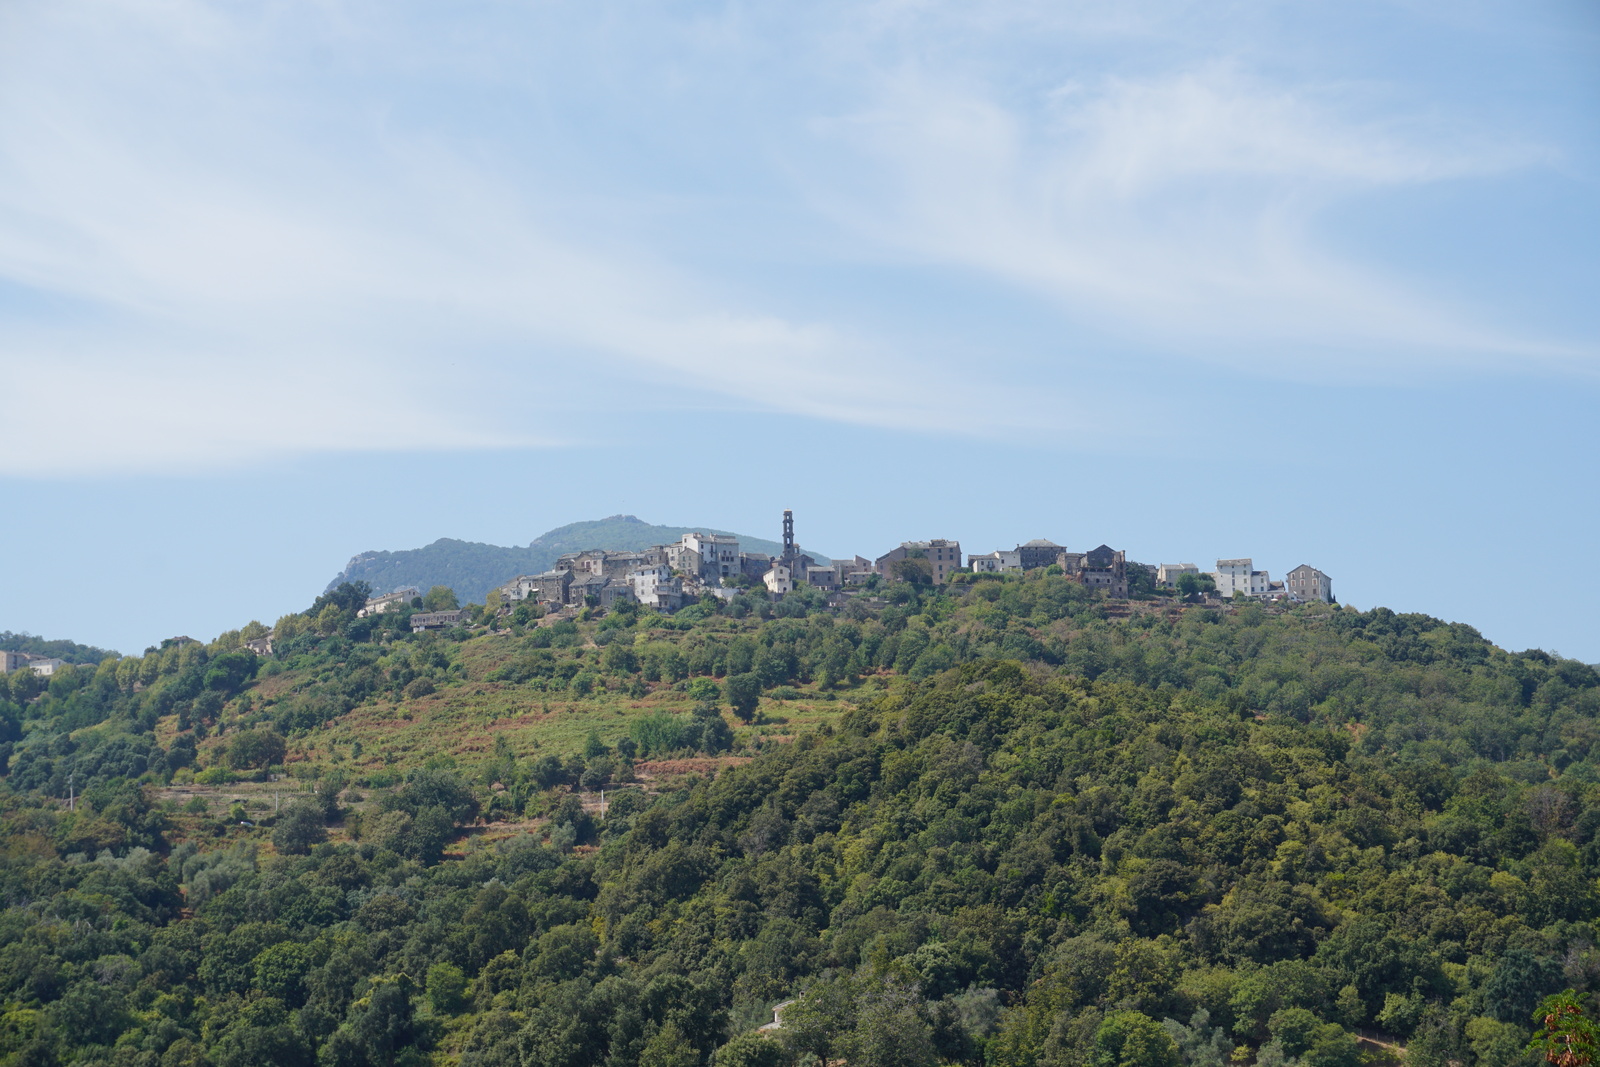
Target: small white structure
(779, 580)
(44, 666)
(1305, 583)
(777, 1016)
(389, 601)
(1237, 576)
(996, 562)
(1167, 573)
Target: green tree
(229, 671)
(252, 749)
(890, 1030)
(668, 1048)
(750, 1050)
(914, 569)
(1133, 1039)
(440, 598)
(743, 693)
(298, 828)
(281, 969)
(1517, 984)
(447, 989)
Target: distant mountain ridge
(472, 568)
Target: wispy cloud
(1184, 208)
(230, 232)
(263, 283)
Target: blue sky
(1306, 282)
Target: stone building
(435, 620)
(854, 571)
(1305, 583)
(585, 586)
(944, 558)
(754, 564)
(824, 578)
(1038, 553)
(1099, 568)
(547, 588)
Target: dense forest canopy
(993, 823)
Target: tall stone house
(944, 557)
(1099, 568)
(1038, 553)
(1305, 583)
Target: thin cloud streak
(248, 314)
(274, 220)
(1181, 208)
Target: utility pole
(602, 805)
(72, 796)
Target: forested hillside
(996, 823)
(472, 568)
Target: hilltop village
(671, 576)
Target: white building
(16, 661)
(647, 583)
(718, 554)
(389, 601)
(1237, 576)
(996, 562)
(1305, 583)
(1167, 573)
(779, 580)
